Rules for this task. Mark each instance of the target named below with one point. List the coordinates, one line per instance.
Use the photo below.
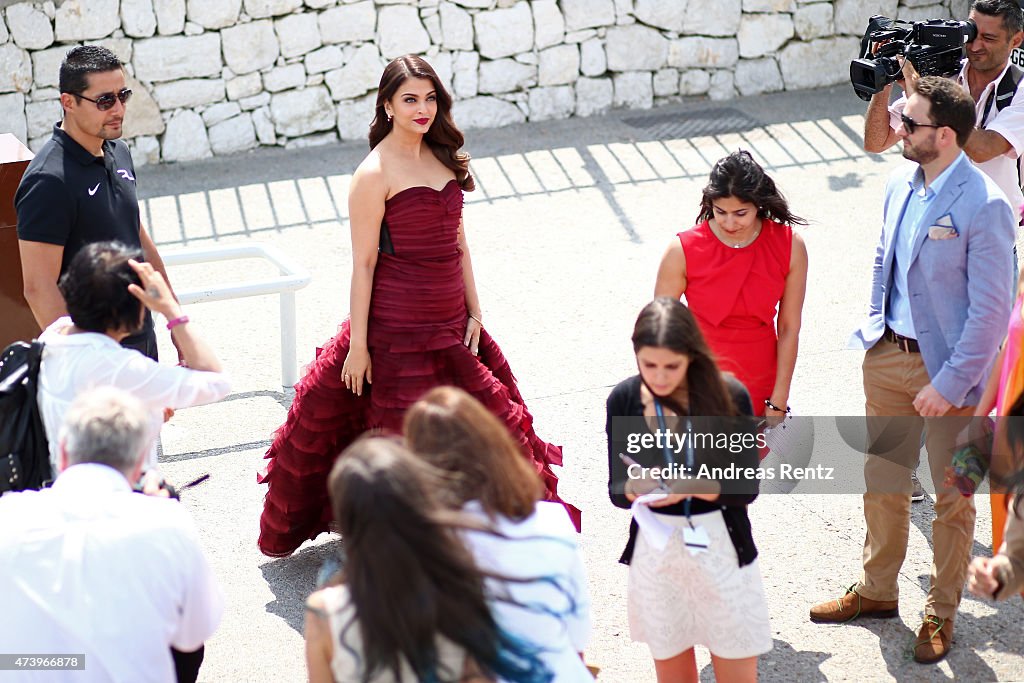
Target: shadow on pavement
(618, 125)
(783, 663)
(271, 189)
(284, 399)
(972, 632)
(894, 642)
(293, 578)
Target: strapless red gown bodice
(419, 291)
(415, 329)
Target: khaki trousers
(892, 378)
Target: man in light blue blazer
(940, 301)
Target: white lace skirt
(678, 600)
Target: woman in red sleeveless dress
(741, 268)
(415, 320)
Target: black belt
(905, 344)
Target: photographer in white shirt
(107, 291)
(91, 568)
(998, 138)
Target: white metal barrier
(291, 279)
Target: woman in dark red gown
(415, 319)
(741, 268)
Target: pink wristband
(171, 324)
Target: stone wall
(215, 77)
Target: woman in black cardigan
(680, 434)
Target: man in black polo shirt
(80, 188)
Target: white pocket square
(946, 221)
(942, 232)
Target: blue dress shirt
(898, 315)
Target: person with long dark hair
(415, 319)
(700, 584)
(744, 273)
(544, 598)
(410, 604)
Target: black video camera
(935, 48)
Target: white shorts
(678, 600)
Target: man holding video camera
(998, 137)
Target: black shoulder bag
(24, 452)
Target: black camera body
(935, 48)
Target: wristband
(171, 324)
(768, 402)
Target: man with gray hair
(91, 569)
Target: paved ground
(566, 229)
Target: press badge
(696, 539)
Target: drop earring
(389, 118)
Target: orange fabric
(1011, 384)
(999, 502)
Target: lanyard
(667, 454)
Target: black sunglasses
(911, 125)
(106, 100)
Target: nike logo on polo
(92, 190)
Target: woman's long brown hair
(456, 434)
(666, 323)
(409, 577)
(444, 138)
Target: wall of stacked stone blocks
(216, 77)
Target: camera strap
(1004, 92)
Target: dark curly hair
(738, 175)
(444, 138)
(95, 288)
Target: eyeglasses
(106, 100)
(911, 125)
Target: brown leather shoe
(853, 606)
(934, 640)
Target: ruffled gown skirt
(416, 326)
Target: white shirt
(347, 657)
(75, 363)
(88, 567)
(552, 610)
(1009, 123)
